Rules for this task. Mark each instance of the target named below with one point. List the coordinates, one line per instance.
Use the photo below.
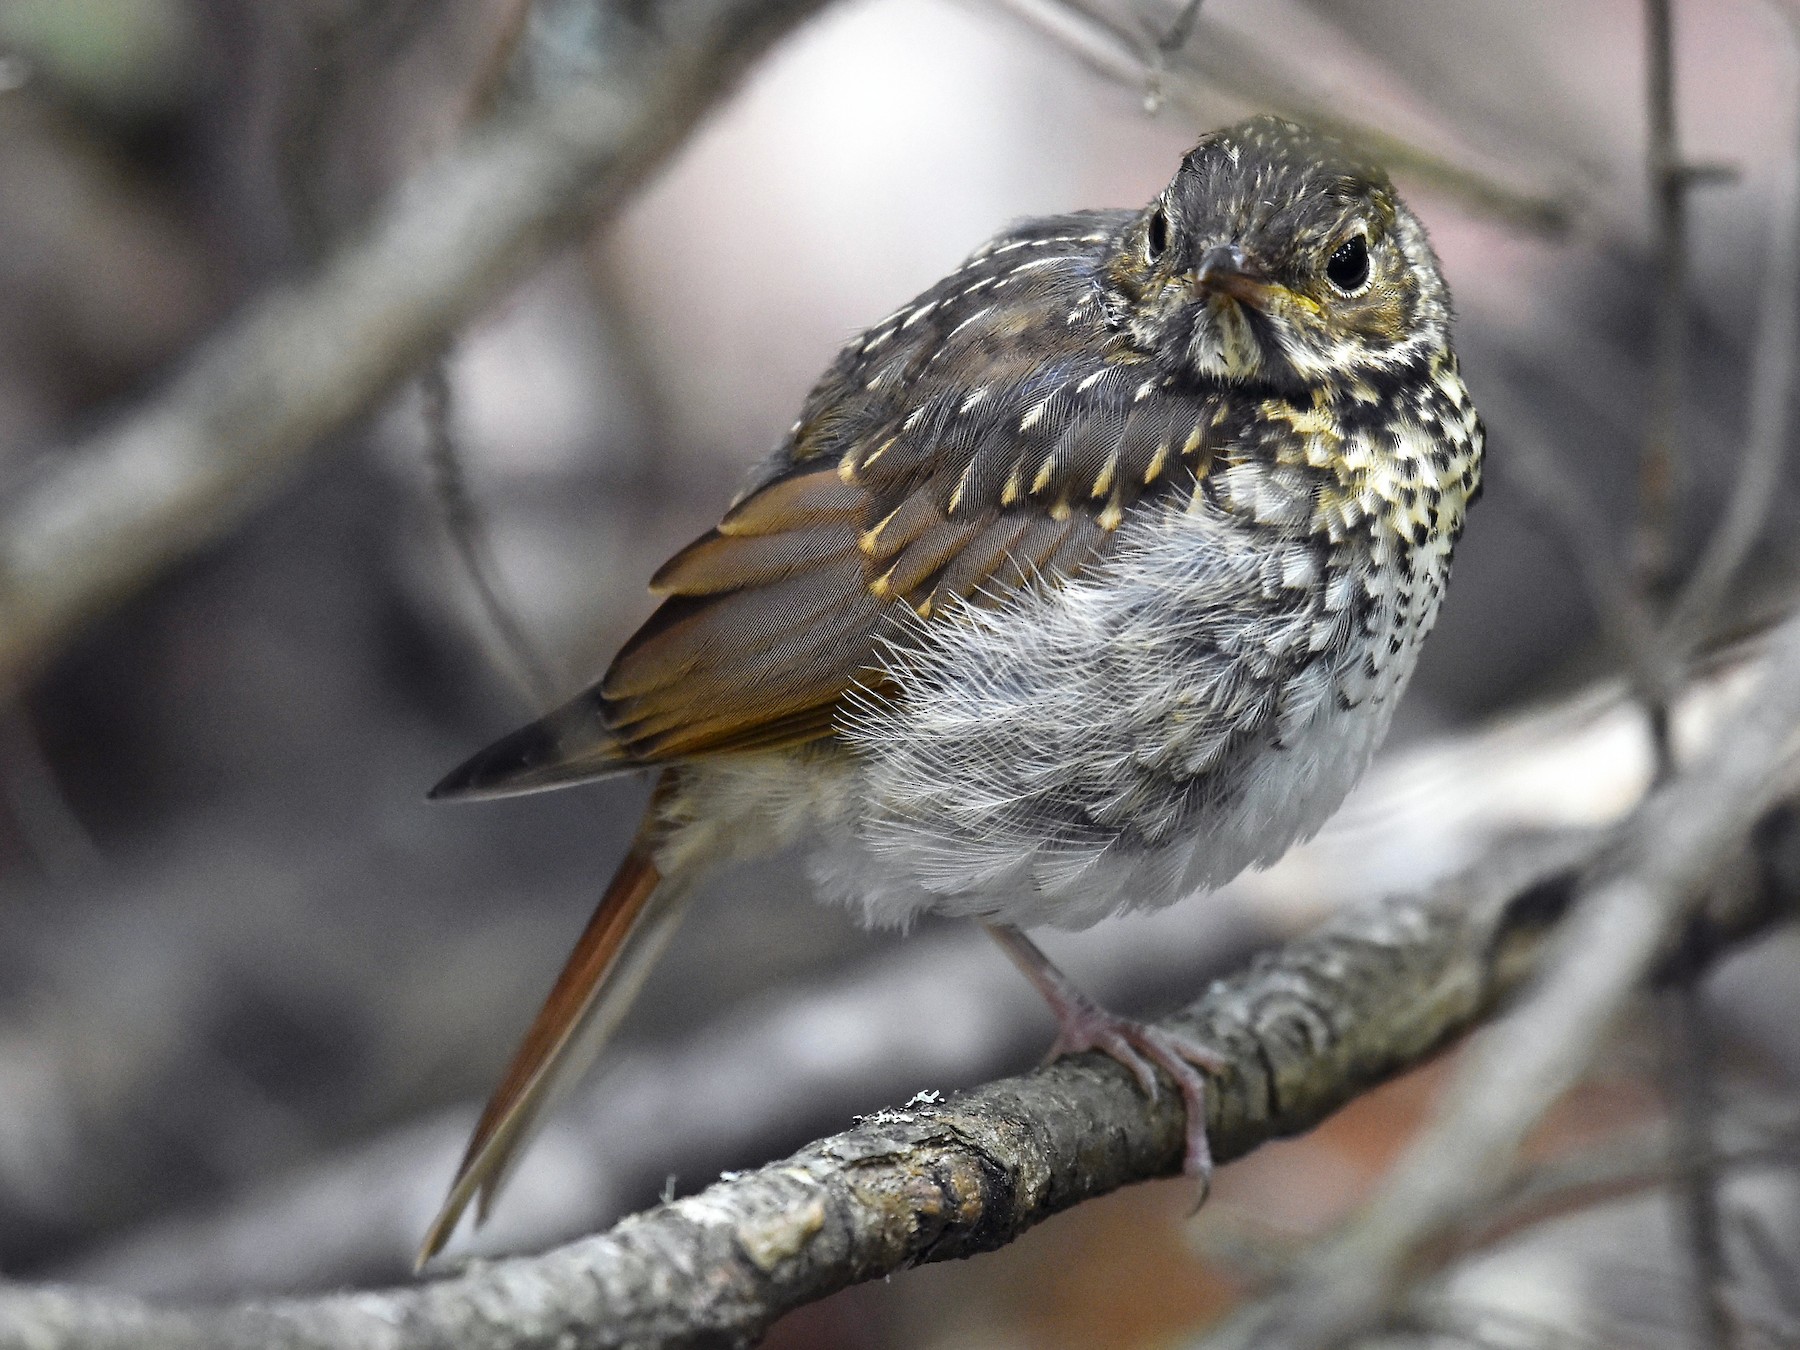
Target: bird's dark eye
(1348, 267)
(1156, 235)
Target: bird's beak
(1225, 270)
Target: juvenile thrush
(1089, 578)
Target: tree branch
(105, 516)
(1305, 1029)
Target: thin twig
(1690, 1056)
(490, 79)
(512, 649)
(1659, 464)
(1780, 1275)
(1625, 1164)
(1571, 511)
(1656, 653)
(1165, 45)
(1686, 1046)
(1221, 62)
(59, 843)
(1774, 359)
(1622, 1165)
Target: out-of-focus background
(252, 986)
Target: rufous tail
(628, 932)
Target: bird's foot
(1083, 1024)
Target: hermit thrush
(1089, 578)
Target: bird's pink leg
(1083, 1024)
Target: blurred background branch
(111, 513)
(1210, 59)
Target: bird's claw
(1083, 1026)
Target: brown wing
(955, 456)
(995, 432)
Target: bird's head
(1279, 255)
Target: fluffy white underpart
(1116, 742)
